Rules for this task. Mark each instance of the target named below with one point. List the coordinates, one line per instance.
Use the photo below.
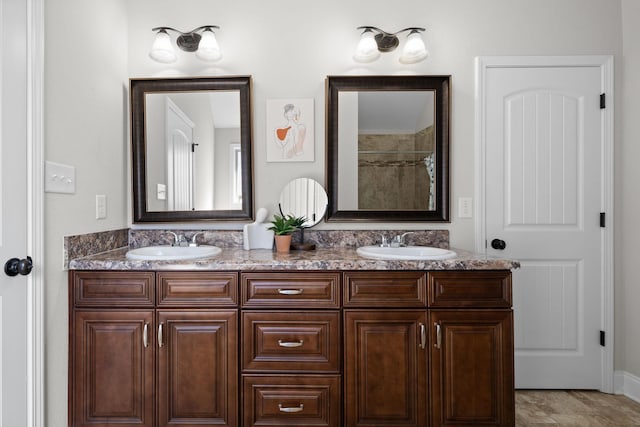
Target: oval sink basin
(405, 253)
(172, 253)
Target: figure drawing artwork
(290, 133)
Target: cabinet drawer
(385, 289)
(303, 400)
(286, 290)
(291, 341)
(113, 288)
(469, 289)
(197, 289)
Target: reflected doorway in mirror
(290, 130)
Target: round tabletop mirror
(304, 197)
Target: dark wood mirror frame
(138, 88)
(441, 86)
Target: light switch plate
(161, 191)
(59, 178)
(101, 206)
(465, 207)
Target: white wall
(85, 126)
(627, 357)
(289, 49)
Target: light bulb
(367, 49)
(414, 49)
(208, 49)
(162, 50)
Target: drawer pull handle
(290, 344)
(438, 335)
(290, 291)
(290, 409)
(145, 335)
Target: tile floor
(577, 408)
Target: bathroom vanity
(252, 338)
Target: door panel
(197, 368)
(385, 369)
(543, 198)
(471, 368)
(13, 210)
(113, 369)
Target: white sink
(405, 253)
(172, 253)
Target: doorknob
(16, 266)
(498, 244)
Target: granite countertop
(264, 259)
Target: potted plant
(283, 227)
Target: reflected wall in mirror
(191, 145)
(388, 148)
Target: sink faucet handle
(383, 241)
(402, 237)
(176, 239)
(194, 238)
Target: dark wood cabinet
(385, 368)
(291, 345)
(291, 348)
(472, 367)
(133, 363)
(197, 374)
(111, 369)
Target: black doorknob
(498, 244)
(16, 266)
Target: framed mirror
(388, 148)
(191, 149)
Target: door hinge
(603, 101)
(602, 338)
(602, 219)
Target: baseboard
(627, 384)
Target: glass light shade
(208, 49)
(414, 49)
(367, 49)
(162, 50)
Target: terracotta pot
(283, 243)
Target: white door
(180, 154)
(543, 194)
(13, 212)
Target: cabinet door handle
(290, 409)
(423, 335)
(290, 344)
(438, 335)
(290, 291)
(160, 343)
(145, 335)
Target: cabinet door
(197, 368)
(472, 367)
(112, 368)
(385, 368)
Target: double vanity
(353, 334)
(318, 338)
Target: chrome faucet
(194, 241)
(178, 239)
(399, 240)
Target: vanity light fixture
(201, 40)
(373, 41)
